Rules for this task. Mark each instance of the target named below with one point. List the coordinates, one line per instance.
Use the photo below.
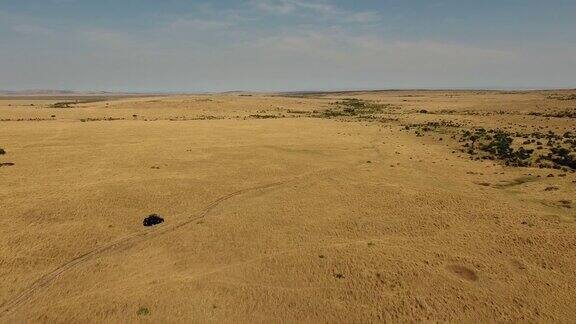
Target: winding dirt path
(45, 280)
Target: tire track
(46, 279)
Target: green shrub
(143, 311)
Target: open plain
(301, 207)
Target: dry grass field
(302, 207)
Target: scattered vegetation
(291, 111)
(24, 119)
(258, 116)
(356, 109)
(201, 117)
(495, 145)
(571, 96)
(567, 113)
(442, 127)
(565, 203)
(100, 119)
(2, 151)
(63, 104)
(543, 150)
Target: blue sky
(179, 45)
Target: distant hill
(42, 92)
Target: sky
(286, 45)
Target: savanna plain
(296, 207)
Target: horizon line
(31, 92)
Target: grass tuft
(143, 311)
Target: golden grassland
(313, 207)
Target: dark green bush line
(65, 104)
(356, 108)
(563, 97)
(200, 117)
(498, 144)
(438, 127)
(100, 119)
(558, 114)
(258, 116)
(25, 119)
(547, 150)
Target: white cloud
(33, 30)
(283, 7)
(362, 17)
(432, 49)
(102, 36)
(338, 46)
(325, 9)
(200, 24)
(274, 7)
